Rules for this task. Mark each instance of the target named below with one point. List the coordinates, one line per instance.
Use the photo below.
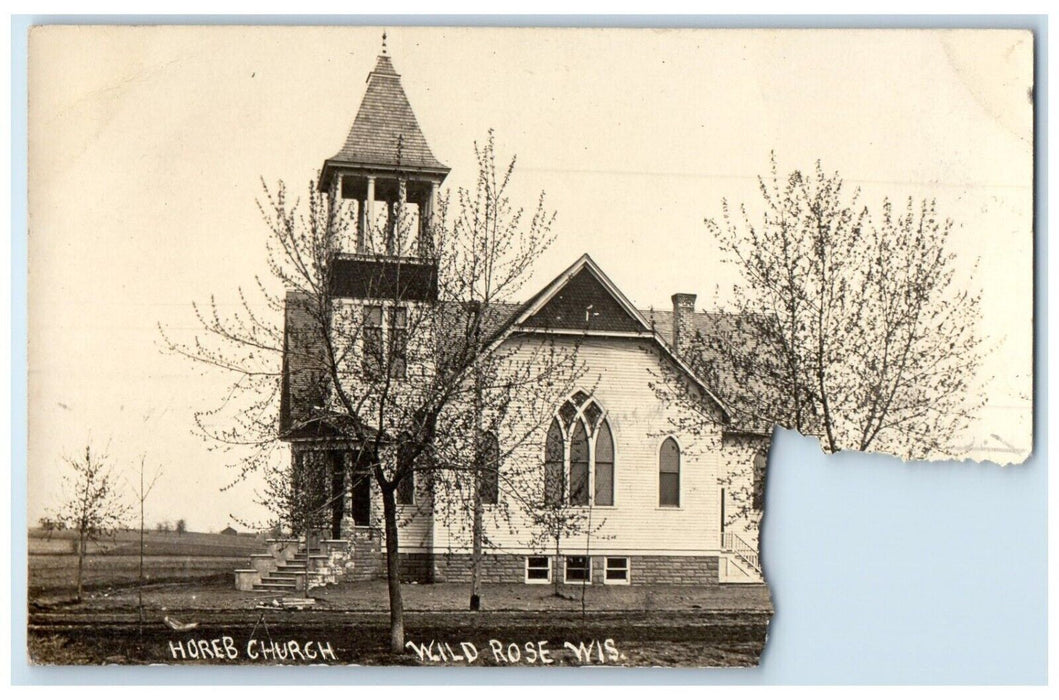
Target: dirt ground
(372, 596)
(518, 625)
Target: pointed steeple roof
(384, 120)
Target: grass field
(115, 560)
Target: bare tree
(92, 505)
(50, 525)
(142, 493)
(556, 521)
(494, 481)
(847, 323)
(396, 382)
(181, 526)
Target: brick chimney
(683, 328)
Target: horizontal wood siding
(738, 464)
(620, 373)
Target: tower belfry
(386, 160)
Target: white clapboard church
(661, 499)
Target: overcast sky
(147, 145)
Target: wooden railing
(735, 544)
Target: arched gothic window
(489, 469)
(669, 473)
(579, 455)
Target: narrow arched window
(489, 469)
(406, 487)
(604, 470)
(757, 499)
(579, 465)
(669, 473)
(553, 465)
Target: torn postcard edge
(430, 392)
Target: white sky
(147, 145)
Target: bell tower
(388, 169)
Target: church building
(662, 498)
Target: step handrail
(735, 544)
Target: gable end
(584, 303)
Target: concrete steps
(289, 566)
(287, 577)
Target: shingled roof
(385, 118)
(729, 328)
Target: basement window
(538, 570)
(578, 570)
(616, 570)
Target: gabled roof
(553, 306)
(385, 118)
(584, 303)
(730, 329)
(568, 302)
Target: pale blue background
(881, 572)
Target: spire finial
(384, 42)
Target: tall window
(372, 333)
(398, 342)
(604, 466)
(396, 330)
(669, 473)
(489, 469)
(757, 500)
(406, 489)
(579, 455)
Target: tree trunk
(80, 563)
(476, 549)
(476, 525)
(139, 593)
(393, 571)
(555, 568)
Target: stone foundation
(511, 568)
(369, 561)
(496, 568)
(416, 566)
(361, 558)
(675, 570)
